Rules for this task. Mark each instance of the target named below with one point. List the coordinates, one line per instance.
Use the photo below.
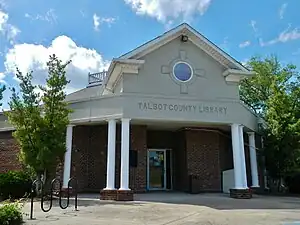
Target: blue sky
(91, 33)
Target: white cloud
(50, 16)
(7, 29)
(97, 21)
(225, 45)
(282, 10)
(82, 13)
(289, 35)
(2, 76)
(3, 4)
(244, 62)
(284, 36)
(244, 44)
(256, 31)
(164, 10)
(108, 20)
(3, 20)
(168, 25)
(31, 57)
(253, 25)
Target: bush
(11, 214)
(14, 184)
(293, 182)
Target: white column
(125, 134)
(242, 155)
(68, 156)
(111, 153)
(253, 160)
(238, 182)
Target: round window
(182, 71)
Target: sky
(92, 33)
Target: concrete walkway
(173, 208)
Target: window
(182, 71)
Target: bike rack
(55, 180)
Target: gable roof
(198, 39)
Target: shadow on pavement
(84, 200)
(217, 201)
(221, 201)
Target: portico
(128, 175)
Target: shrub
(293, 182)
(14, 184)
(11, 214)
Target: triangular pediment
(184, 30)
(232, 70)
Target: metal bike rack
(55, 180)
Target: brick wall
(203, 159)
(80, 147)
(199, 152)
(89, 157)
(9, 151)
(138, 142)
(196, 152)
(180, 178)
(248, 166)
(226, 156)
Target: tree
(255, 91)
(274, 94)
(40, 120)
(2, 89)
(282, 135)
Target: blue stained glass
(182, 71)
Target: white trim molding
(4, 129)
(186, 63)
(233, 75)
(95, 119)
(116, 70)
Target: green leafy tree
(274, 94)
(2, 89)
(282, 135)
(41, 119)
(256, 91)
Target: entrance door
(158, 171)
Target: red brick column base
(256, 190)
(108, 194)
(124, 195)
(241, 193)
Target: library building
(165, 116)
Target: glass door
(156, 172)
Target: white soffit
(233, 75)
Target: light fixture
(184, 38)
